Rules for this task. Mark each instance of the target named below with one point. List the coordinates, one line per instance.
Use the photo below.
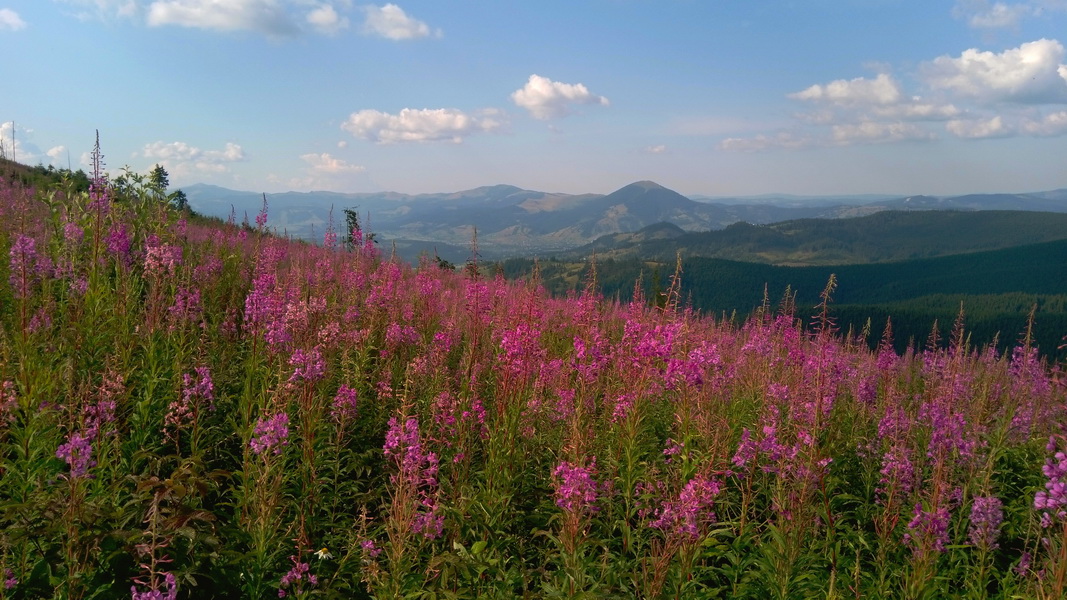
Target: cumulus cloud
(18, 144)
(326, 164)
(10, 20)
(325, 19)
(547, 99)
(266, 16)
(57, 153)
(883, 89)
(1050, 125)
(1032, 73)
(978, 128)
(391, 22)
(659, 149)
(421, 125)
(182, 159)
(870, 132)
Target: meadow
(203, 409)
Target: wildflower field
(198, 409)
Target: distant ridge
(512, 221)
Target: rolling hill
(880, 237)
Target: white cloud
(10, 20)
(421, 125)
(980, 14)
(266, 16)
(182, 159)
(870, 132)
(765, 142)
(917, 110)
(979, 128)
(391, 22)
(22, 149)
(660, 149)
(57, 154)
(342, 144)
(547, 99)
(859, 91)
(104, 9)
(329, 165)
(325, 19)
(1032, 73)
(1050, 125)
(271, 17)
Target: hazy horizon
(711, 99)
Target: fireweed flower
(1052, 501)
(170, 591)
(370, 548)
(986, 516)
(687, 515)
(295, 578)
(308, 366)
(72, 233)
(576, 490)
(25, 265)
(118, 243)
(195, 388)
(77, 452)
(161, 258)
(416, 470)
(344, 404)
(9, 579)
(8, 403)
(675, 448)
(270, 434)
(928, 530)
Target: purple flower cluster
(691, 511)
(186, 305)
(344, 404)
(162, 258)
(9, 403)
(9, 579)
(576, 490)
(417, 470)
(77, 451)
(927, 530)
(72, 233)
(296, 577)
(195, 388)
(25, 266)
(169, 593)
(897, 472)
(987, 513)
(370, 548)
(271, 433)
(1052, 501)
(119, 242)
(307, 366)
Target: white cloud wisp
(421, 125)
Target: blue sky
(714, 97)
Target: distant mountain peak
(645, 185)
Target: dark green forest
(996, 289)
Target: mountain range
(512, 221)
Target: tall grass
(198, 409)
